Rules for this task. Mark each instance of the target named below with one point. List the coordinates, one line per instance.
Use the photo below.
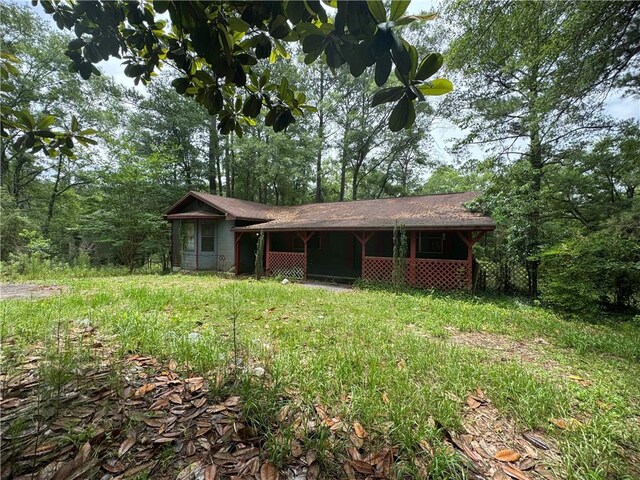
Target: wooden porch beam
(365, 237)
(306, 236)
(464, 238)
(470, 242)
(480, 234)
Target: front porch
(441, 260)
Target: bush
(586, 273)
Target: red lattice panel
(442, 274)
(377, 269)
(287, 264)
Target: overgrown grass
(369, 355)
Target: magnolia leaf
(359, 429)
(383, 69)
(439, 86)
(400, 114)
(210, 472)
(514, 473)
(269, 472)
(398, 7)
(535, 441)
(191, 471)
(376, 7)
(237, 24)
(430, 65)
(507, 455)
(386, 95)
(127, 444)
(408, 19)
(558, 422)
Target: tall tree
(523, 94)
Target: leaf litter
(118, 430)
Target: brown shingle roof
(427, 211)
(243, 209)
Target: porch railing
(287, 264)
(421, 272)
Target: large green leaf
(45, 122)
(430, 65)
(406, 20)
(439, 86)
(25, 118)
(237, 24)
(376, 7)
(383, 69)
(386, 95)
(398, 7)
(400, 114)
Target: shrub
(600, 270)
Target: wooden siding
(222, 258)
(225, 245)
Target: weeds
(378, 357)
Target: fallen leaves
(507, 455)
(190, 471)
(269, 472)
(535, 441)
(126, 445)
(359, 430)
(144, 389)
(514, 473)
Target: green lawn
(396, 363)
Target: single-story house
(339, 240)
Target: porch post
(470, 261)
(305, 239)
(197, 241)
(412, 258)
(268, 259)
(363, 242)
(236, 252)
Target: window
(189, 236)
(207, 236)
(430, 243)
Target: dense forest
(536, 88)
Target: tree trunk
(53, 196)
(214, 154)
(320, 138)
(343, 164)
(354, 181)
(533, 234)
(232, 168)
(227, 164)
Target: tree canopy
(216, 48)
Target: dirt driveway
(11, 291)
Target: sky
(443, 131)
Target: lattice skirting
(377, 269)
(287, 264)
(442, 274)
(438, 274)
